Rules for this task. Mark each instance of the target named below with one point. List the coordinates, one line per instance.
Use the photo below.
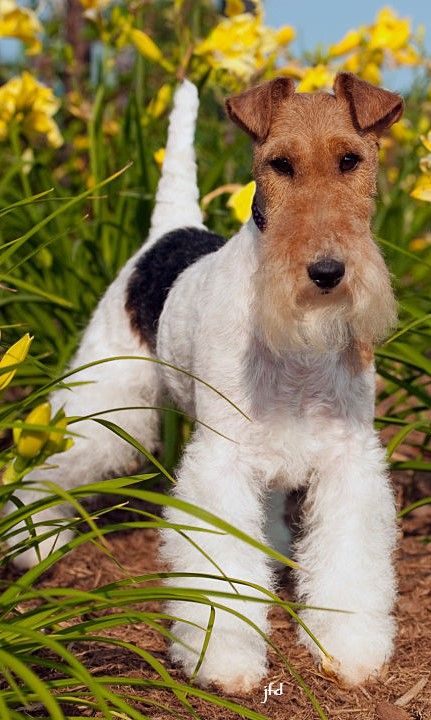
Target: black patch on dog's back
(156, 271)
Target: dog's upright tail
(177, 198)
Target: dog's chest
(307, 385)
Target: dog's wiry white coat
(311, 426)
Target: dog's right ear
(252, 110)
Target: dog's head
(321, 280)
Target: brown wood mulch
(403, 692)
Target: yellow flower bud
(16, 354)
(57, 442)
(31, 442)
(159, 156)
(148, 48)
(9, 475)
(160, 102)
(285, 35)
(351, 41)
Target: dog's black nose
(327, 273)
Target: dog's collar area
(258, 216)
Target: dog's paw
(234, 661)
(351, 673)
(358, 648)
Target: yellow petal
(285, 35)
(316, 78)
(389, 31)
(371, 73)
(31, 442)
(16, 354)
(349, 42)
(27, 102)
(9, 475)
(240, 201)
(352, 63)
(407, 56)
(148, 48)
(159, 156)
(234, 7)
(292, 70)
(20, 23)
(160, 102)
(422, 189)
(420, 243)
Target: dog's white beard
(367, 312)
(321, 329)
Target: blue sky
(326, 21)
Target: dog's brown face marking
(321, 278)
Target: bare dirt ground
(403, 692)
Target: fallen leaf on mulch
(387, 711)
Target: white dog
(281, 319)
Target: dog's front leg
(346, 552)
(216, 476)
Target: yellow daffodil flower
(240, 201)
(389, 31)
(21, 23)
(241, 45)
(17, 353)
(29, 443)
(316, 78)
(25, 101)
(351, 41)
(422, 189)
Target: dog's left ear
(373, 109)
(252, 110)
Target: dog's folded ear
(253, 109)
(372, 108)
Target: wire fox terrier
(282, 320)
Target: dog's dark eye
(282, 165)
(349, 161)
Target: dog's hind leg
(112, 386)
(107, 390)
